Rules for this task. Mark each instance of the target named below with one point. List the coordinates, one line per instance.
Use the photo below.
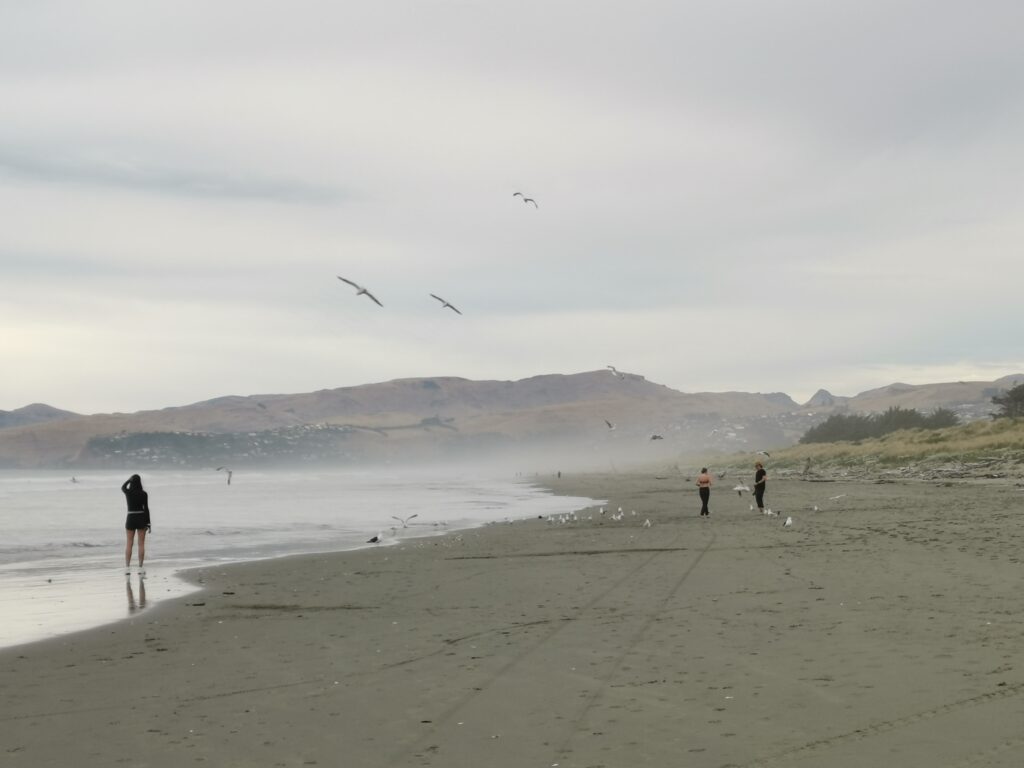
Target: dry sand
(885, 629)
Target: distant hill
(825, 399)
(563, 418)
(37, 413)
(968, 399)
(414, 419)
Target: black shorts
(136, 520)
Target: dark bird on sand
(447, 304)
(360, 291)
(657, 437)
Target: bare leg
(128, 547)
(142, 546)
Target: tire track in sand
(416, 748)
(885, 726)
(577, 726)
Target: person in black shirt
(760, 481)
(137, 522)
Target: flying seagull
(657, 437)
(360, 291)
(525, 198)
(446, 304)
(404, 520)
(610, 425)
(225, 469)
(765, 453)
(613, 369)
(740, 488)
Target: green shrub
(856, 426)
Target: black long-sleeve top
(138, 501)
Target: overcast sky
(751, 195)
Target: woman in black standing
(137, 522)
(704, 489)
(760, 481)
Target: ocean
(62, 536)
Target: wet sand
(884, 629)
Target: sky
(733, 195)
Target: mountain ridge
(416, 418)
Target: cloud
(43, 166)
(743, 196)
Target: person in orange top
(704, 489)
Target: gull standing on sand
(446, 304)
(360, 290)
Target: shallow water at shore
(61, 556)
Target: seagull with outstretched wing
(446, 304)
(525, 198)
(360, 290)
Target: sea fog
(62, 535)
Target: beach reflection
(134, 606)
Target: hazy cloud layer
(756, 196)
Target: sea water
(62, 537)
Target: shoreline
(884, 629)
(50, 597)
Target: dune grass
(1001, 439)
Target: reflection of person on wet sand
(132, 605)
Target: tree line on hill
(857, 426)
(1011, 403)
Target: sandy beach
(886, 628)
